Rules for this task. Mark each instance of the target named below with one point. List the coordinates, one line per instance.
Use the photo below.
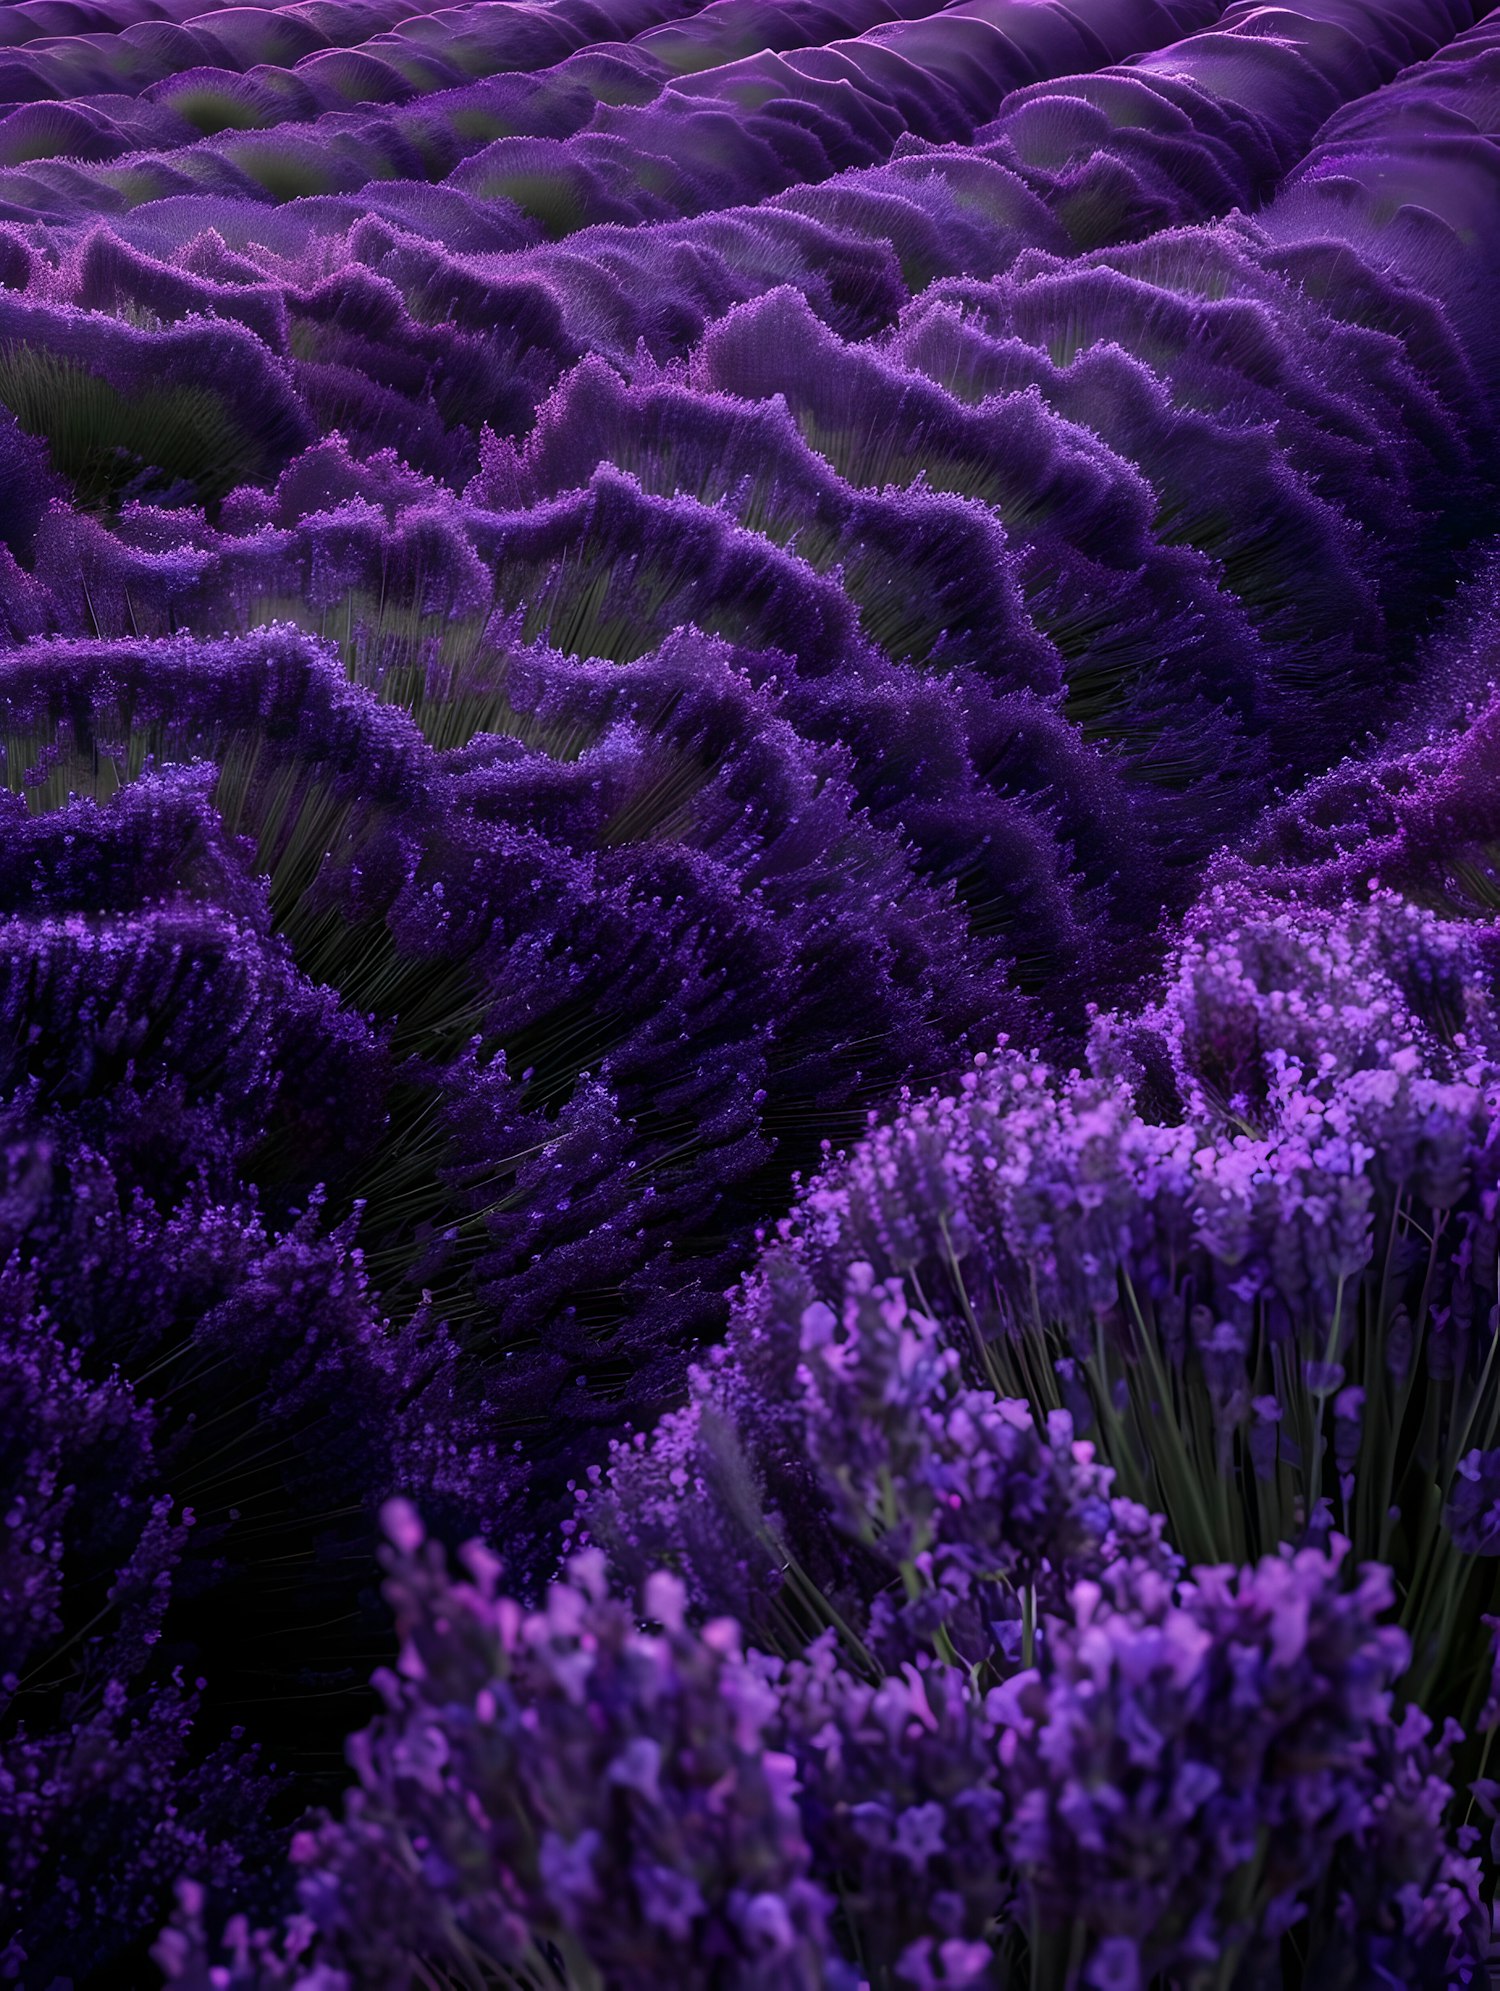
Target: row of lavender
(547, 675)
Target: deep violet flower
(560, 1784)
(1474, 1507)
(104, 1797)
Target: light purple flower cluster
(1208, 1772)
(557, 1786)
(1186, 1773)
(931, 1514)
(1248, 1251)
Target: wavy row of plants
(583, 627)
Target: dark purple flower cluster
(102, 1744)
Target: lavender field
(750, 995)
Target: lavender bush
(1198, 1779)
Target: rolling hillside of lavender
(750, 995)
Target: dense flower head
(1290, 1072)
(564, 1782)
(1189, 1767)
(612, 1792)
(902, 1793)
(933, 1514)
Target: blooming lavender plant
(792, 533)
(558, 1792)
(873, 1486)
(1251, 1252)
(1191, 1779)
(1212, 1788)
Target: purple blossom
(563, 1778)
(1170, 1736)
(957, 1511)
(1474, 1506)
(1187, 1764)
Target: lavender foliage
(594, 602)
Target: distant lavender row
(261, 69)
(765, 248)
(777, 119)
(32, 20)
(1123, 624)
(1210, 123)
